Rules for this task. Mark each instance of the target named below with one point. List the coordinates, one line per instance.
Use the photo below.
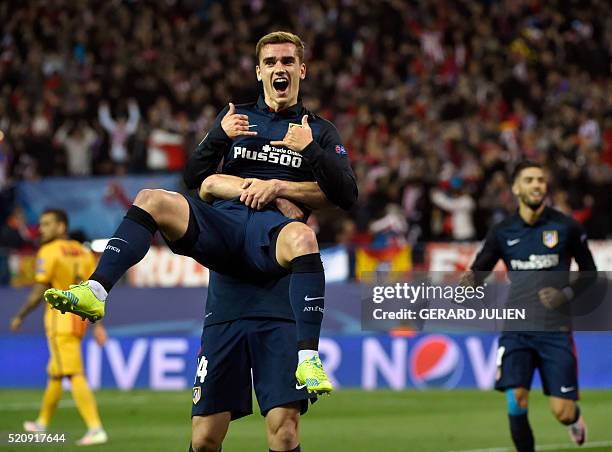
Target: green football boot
(310, 375)
(79, 300)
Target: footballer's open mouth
(281, 86)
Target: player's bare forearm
(225, 186)
(34, 299)
(220, 186)
(307, 193)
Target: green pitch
(349, 420)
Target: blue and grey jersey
(324, 160)
(538, 255)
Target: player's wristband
(568, 292)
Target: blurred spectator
(15, 233)
(78, 141)
(460, 205)
(119, 131)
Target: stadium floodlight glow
(98, 245)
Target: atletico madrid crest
(197, 394)
(550, 238)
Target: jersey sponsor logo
(71, 251)
(512, 242)
(270, 154)
(314, 309)
(197, 394)
(550, 238)
(340, 150)
(112, 248)
(536, 262)
(566, 389)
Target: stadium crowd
(435, 101)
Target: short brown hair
(280, 37)
(59, 214)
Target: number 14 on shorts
(201, 373)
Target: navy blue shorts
(230, 238)
(228, 353)
(519, 354)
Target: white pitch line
(69, 403)
(588, 445)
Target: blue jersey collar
(296, 110)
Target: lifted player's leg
(152, 210)
(298, 250)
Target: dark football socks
(127, 247)
(522, 436)
(297, 449)
(576, 416)
(306, 293)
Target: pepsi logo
(436, 361)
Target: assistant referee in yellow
(61, 262)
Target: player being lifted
(537, 238)
(273, 148)
(61, 262)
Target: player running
(59, 263)
(541, 239)
(281, 150)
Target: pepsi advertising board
(424, 361)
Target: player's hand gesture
(289, 209)
(235, 125)
(552, 298)
(256, 193)
(296, 138)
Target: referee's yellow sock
(85, 402)
(52, 396)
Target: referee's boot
(79, 300)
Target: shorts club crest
(197, 394)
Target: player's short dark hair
(281, 37)
(523, 166)
(60, 215)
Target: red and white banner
(450, 256)
(166, 151)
